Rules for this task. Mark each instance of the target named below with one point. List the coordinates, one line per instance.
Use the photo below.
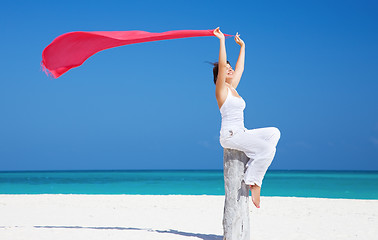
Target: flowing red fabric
(71, 49)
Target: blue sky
(311, 70)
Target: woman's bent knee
(276, 134)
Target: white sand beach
(65, 216)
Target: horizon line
(156, 170)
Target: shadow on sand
(171, 231)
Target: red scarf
(71, 49)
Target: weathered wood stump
(236, 206)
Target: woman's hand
(217, 32)
(238, 40)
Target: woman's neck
(229, 85)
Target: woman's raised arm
(222, 63)
(239, 67)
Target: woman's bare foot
(255, 192)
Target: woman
(258, 144)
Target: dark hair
(215, 70)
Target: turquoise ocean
(319, 184)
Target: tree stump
(236, 207)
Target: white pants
(258, 144)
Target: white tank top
(232, 114)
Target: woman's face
(230, 72)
